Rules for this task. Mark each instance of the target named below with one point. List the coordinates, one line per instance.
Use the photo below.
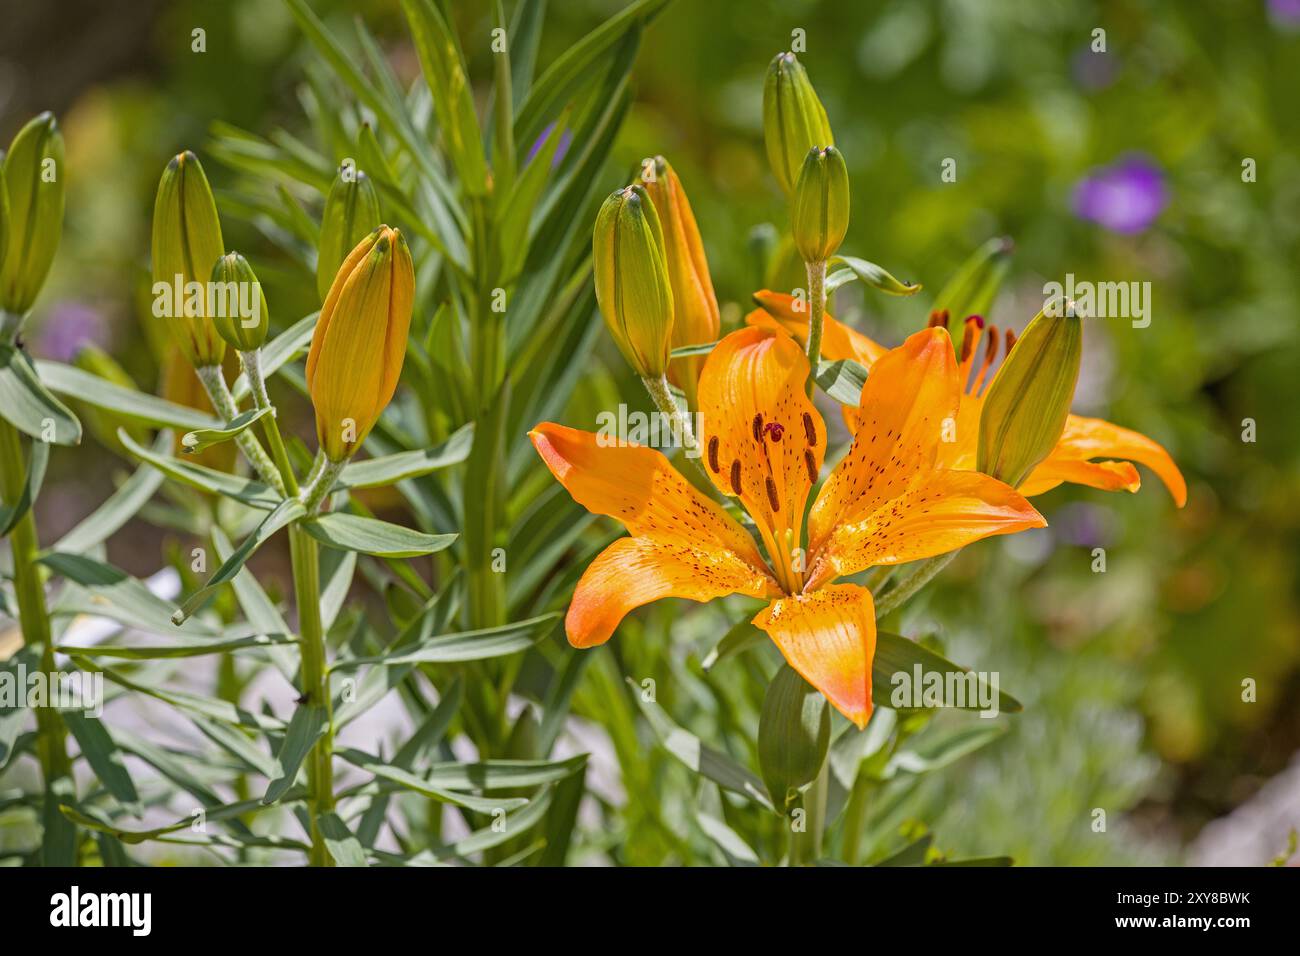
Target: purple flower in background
(68, 326)
(1285, 14)
(566, 138)
(1125, 197)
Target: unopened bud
(794, 120)
(351, 214)
(241, 316)
(819, 209)
(33, 217)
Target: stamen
(967, 341)
(713, 454)
(990, 353)
(772, 499)
(735, 476)
(1011, 341)
(938, 317)
(809, 430)
(775, 430)
(811, 464)
(758, 428)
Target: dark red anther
(758, 428)
(735, 476)
(809, 429)
(713, 454)
(811, 463)
(772, 499)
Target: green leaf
(476, 645)
(516, 213)
(244, 490)
(109, 591)
(119, 508)
(975, 284)
(127, 403)
(499, 832)
(742, 636)
(417, 784)
(193, 703)
(26, 403)
(794, 733)
(686, 351)
(195, 441)
(871, 274)
(933, 750)
(285, 513)
(842, 380)
(212, 813)
(453, 96)
(502, 774)
(177, 647)
(32, 481)
(390, 469)
(305, 728)
(104, 757)
(341, 843)
(348, 532)
(896, 654)
(576, 66)
(698, 757)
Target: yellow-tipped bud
(360, 341)
(1027, 404)
(186, 246)
(351, 214)
(695, 307)
(794, 120)
(632, 284)
(241, 315)
(819, 209)
(33, 220)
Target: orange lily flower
(885, 503)
(1083, 439)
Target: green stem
(252, 363)
(320, 482)
(305, 557)
(214, 383)
(662, 396)
(806, 847)
(816, 315)
(855, 814)
(60, 840)
(915, 580)
(11, 323)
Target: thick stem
(855, 814)
(662, 396)
(252, 363)
(806, 847)
(305, 557)
(214, 383)
(816, 316)
(11, 323)
(904, 589)
(319, 482)
(60, 840)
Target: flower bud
(33, 183)
(794, 120)
(360, 341)
(241, 315)
(1026, 406)
(632, 285)
(186, 245)
(351, 213)
(695, 307)
(819, 209)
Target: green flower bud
(632, 284)
(819, 209)
(186, 245)
(794, 120)
(794, 732)
(1026, 406)
(33, 183)
(351, 214)
(240, 312)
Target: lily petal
(940, 512)
(829, 637)
(637, 486)
(1087, 438)
(777, 312)
(632, 572)
(912, 391)
(763, 440)
(1106, 475)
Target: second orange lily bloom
(890, 500)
